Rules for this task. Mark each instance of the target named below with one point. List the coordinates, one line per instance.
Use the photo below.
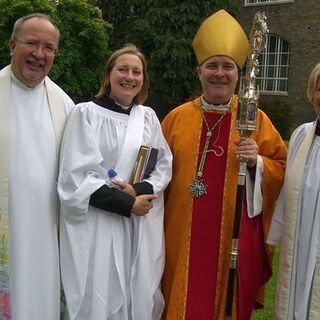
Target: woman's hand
(125, 187)
(143, 204)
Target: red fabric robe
(199, 230)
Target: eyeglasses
(34, 45)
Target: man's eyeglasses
(34, 45)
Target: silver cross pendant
(197, 188)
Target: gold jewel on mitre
(221, 35)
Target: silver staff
(246, 124)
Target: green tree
(164, 31)
(83, 44)
(83, 48)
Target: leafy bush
(280, 113)
(164, 31)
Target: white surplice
(111, 265)
(37, 117)
(296, 227)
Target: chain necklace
(197, 187)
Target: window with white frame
(265, 1)
(273, 73)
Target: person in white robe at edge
(296, 221)
(112, 244)
(33, 112)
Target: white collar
(205, 105)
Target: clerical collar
(317, 132)
(107, 103)
(205, 105)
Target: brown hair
(312, 82)
(105, 85)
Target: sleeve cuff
(113, 200)
(143, 187)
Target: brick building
(293, 48)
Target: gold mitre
(221, 35)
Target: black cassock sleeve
(116, 201)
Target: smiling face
(218, 76)
(28, 63)
(126, 79)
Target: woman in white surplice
(112, 246)
(296, 221)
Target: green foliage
(280, 113)
(164, 31)
(83, 48)
(83, 45)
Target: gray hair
(17, 28)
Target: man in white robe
(33, 112)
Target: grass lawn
(266, 313)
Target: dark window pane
(283, 72)
(272, 59)
(283, 85)
(271, 72)
(272, 44)
(285, 59)
(270, 85)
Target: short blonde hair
(105, 85)
(312, 82)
